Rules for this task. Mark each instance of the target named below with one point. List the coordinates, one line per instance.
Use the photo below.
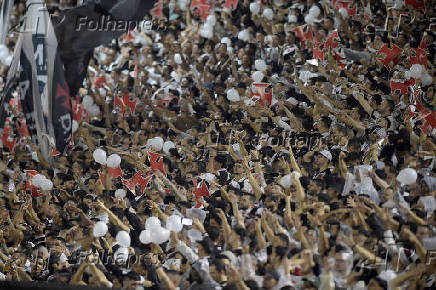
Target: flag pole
(5, 14)
(387, 27)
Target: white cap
(326, 154)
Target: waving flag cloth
(202, 8)
(141, 178)
(43, 51)
(417, 4)
(403, 87)
(8, 140)
(261, 93)
(157, 11)
(156, 161)
(231, 4)
(200, 189)
(350, 6)
(76, 39)
(419, 112)
(303, 33)
(391, 56)
(11, 81)
(32, 55)
(28, 184)
(419, 57)
(423, 44)
(5, 14)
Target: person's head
(260, 37)
(271, 203)
(322, 159)
(270, 279)
(315, 186)
(121, 256)
(377, 284)
(246, 60)
(39, 265)
(131, 280)
(273, 189)
(312, 237)
(324, 125)
(343, 263)
(328, 23)
(275, 41)
(61, 262)
(422, 232)
(62, 276)
(217, 271)
(246, 201)
(386, 107)
(308, 262)
(205, 248)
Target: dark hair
(219, 265)
(240, 231)
(327, 121)
(381, 282)
(213, 232)
(284, 238)
(208, 246)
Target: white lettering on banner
(39, 56)
(66, 123)
(24, 86)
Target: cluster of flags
(418, 112)
(390, 57)
(142, 178)
(320, 47)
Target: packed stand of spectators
(329, 184)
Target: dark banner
(25, 86)
(4, 104)
(80, 30)
(61, 107)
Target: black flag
(78, 35)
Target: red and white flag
(391, 56)
(231, 4)
(261, 93)
(114, 172)
(418, 56)
(157, 11)
(99, 81)
(332, 40)
(202, 8)
(7, 138)
(130, 102)
(119, 105)
(156, 161)
(303, 33)
(28, 184)
(200, 187)
(424, 114)
(402, 87)
(349, 6)
(417, 4)
(141, 178)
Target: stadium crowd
(323, 178)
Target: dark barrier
(14, 285)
